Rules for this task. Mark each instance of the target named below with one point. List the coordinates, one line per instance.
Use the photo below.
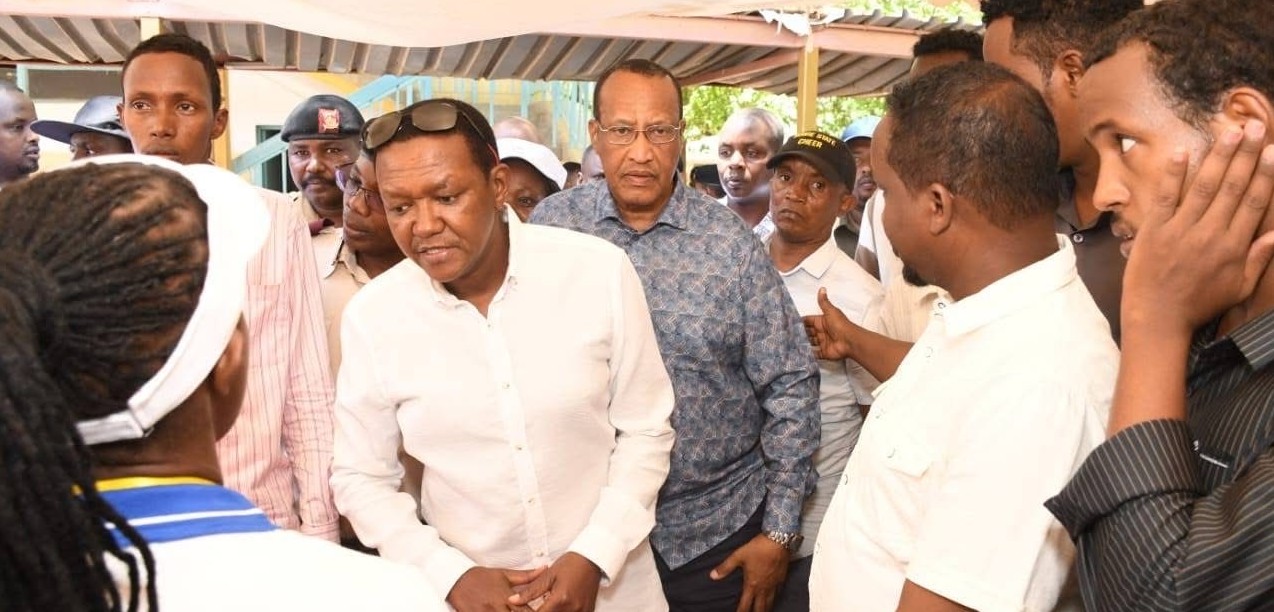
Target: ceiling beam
(751, 31)
(779, 59)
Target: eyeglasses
(430, 116)
(351, 185)
(625, 135)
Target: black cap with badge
(322, 117)
(827, 153)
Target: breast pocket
(900, 503)
(907, 459)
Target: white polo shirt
(989, 415)
(843, 386)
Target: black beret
(322, 117)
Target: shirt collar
(1067, 212)
(347, 257)
(303, 206)
(1013, 292)
(676, 212)
(444, 297)
(1253, 340)
(168, 512)
(816, 264)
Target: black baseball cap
(322, 117)
(827, 153)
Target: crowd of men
(1006, 347)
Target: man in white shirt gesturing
(519, 365)
(940, 507)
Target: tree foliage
(708, 106)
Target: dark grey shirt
(1172, 515)
(1101, 265)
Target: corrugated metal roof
(771, 67)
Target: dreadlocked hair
(100, 269)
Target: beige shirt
(843, 386)
(340, 278)
(328, 241)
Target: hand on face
(1197, 253)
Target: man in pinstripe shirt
(1173, 511)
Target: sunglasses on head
(431, 116)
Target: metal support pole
(221, 146)
(807, 88)
(150, 26)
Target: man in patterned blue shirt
(746, 382)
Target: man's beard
(912, 277)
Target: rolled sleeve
(1003, 554)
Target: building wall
(262, 99)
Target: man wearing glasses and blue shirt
(746, 383)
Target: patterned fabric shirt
(746, 417)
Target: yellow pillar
(221, 146)
(149, 26)
(807, 88)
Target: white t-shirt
(988, 416)
(214, 551)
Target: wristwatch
(790, 541)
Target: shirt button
(1078, 238)
(517, 447)
(928, 352)
(844, 479)
(531, 501)
(504, 386)
(891, 453)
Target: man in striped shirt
(279, 453)
(1173, 511)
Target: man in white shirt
(812, 185)
(524, 375)
(746, 142)
(1008, 389)
(279, 452)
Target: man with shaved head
(19, 146)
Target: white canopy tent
(408, 23)
(702, 41)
